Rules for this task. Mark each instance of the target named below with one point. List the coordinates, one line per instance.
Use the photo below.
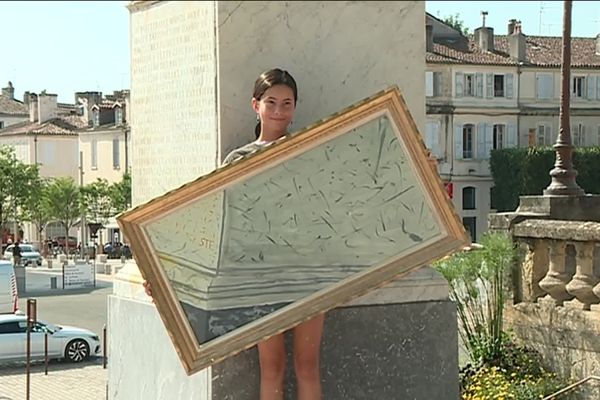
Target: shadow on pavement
(19, 367)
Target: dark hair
(267, 80)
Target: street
(84, 308)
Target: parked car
(9, 299)
(29, 254)
(64, 342)
(60, 242)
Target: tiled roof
(12, 106)
(65, 125)
(544, 51)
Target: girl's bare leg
(307, 353)
(271, 354)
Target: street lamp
(563, 175)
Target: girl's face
(275, 109)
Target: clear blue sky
(69, 46)
(537, 17)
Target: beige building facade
(489, 91)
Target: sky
(68, 46)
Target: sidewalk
(65, 381)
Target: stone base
(398, 342)
(398, 351)
(572, 208)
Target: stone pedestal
(193, 69)
(397, 342)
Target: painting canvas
(302, 226)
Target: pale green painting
(298, 227)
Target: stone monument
(193, 66)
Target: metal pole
(31, 320)
(46, 353)
(83, 226)
(63, 275)
(563, 175)
(104, 347)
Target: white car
(29, 255)
(64, 342)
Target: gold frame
(197, 356)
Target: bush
(521, 172)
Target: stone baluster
(556, 279)
(533, 270)
(583, 282)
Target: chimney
(428, 37)
(9, 91)
(47, 107)
(484, 38)
(516, 43)
(511, 26)
(26, 97)
(33, 107)
(598, 44)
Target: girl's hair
(267, 80)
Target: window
(1, 124)
(578, 135)
(498, 137)
(578, 87)
(498, 85)
(118, 116)
(544, 136)
(598, 136)
(11, 327)
(96, 115)
(470, 224)
(432, 134)
(545, 86)
(467, 141)
(433, 84)
(116, 154)
(94, 154)
(469, 86)
(468, 198)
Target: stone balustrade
(561, 264)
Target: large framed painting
(293, 230)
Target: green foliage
(97, 201)
(519, 172)
(478, 285)
(64, 202)
(500, 368)
(35, 208)
(457, 23)
(17, 183)
(121, 194)
(493, 383)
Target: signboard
(78, 275)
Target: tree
(121, 193)
(36, 209)
(456, 23)
(97, 201)
(16, 185)
(65, 204)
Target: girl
(274, 101)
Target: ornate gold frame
(196, 356)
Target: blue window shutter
(509, 86)
(489, 85)
(458, 83)
(511, 140)
(479, 83)
(489, 139)
(480, 140)
(435, 139)
(591, 87)
(458, 142)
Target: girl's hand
(148, 289)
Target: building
(486, 91)
(12, 111)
